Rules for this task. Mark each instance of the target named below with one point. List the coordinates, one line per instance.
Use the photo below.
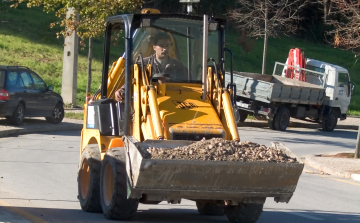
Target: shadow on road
(178, 214)
(299, 136)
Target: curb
(321, 167)
(36, 129)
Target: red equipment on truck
(296, 59)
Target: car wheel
(57, 114)
(17, 117)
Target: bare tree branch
(265, 18)
(345, 18)
(282, 15)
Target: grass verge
(74, 115)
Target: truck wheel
(331, 121)
(113, 187)
(244, 213)
(17, 117)
(243, 116)
(205, 208)
(282, 119)
(271, 124)
(57, 115)
(89, 179)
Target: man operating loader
(161, 63)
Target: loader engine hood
(186, 116)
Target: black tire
(282, 119)
(243, 116)
(17, 117)
(271, 124)
(330, 122)
(244, 213)
(113, 187)
(57, 115)
(89, 179)
(205, 208)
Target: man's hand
(120, 94)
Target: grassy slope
(26, 39)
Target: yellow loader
(163, 112)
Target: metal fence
(301, 74)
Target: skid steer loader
(162, 112)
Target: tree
(327, 8)
(265, 18)
(92, 14)
(345, 18)
(210, 7)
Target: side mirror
(352, 88)
(50, 88)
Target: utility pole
(70, 63)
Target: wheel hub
(56, 113)
(20, 114)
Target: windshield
(343, 79)
(174, 46)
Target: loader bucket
(210, 180)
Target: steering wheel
(161, 76)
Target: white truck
(323, 97)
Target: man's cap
(161, 35)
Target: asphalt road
(38, 182)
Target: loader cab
(137, 32)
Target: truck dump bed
(210, 180)
(271, 88)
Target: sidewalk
(342, 167)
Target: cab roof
(323, 65)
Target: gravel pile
(218, 149)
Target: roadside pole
(357, 149)
(70, 61)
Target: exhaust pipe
(204, 62)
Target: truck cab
(338, 86)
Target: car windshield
(2, 78)
(185, 46)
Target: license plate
(243, 105)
